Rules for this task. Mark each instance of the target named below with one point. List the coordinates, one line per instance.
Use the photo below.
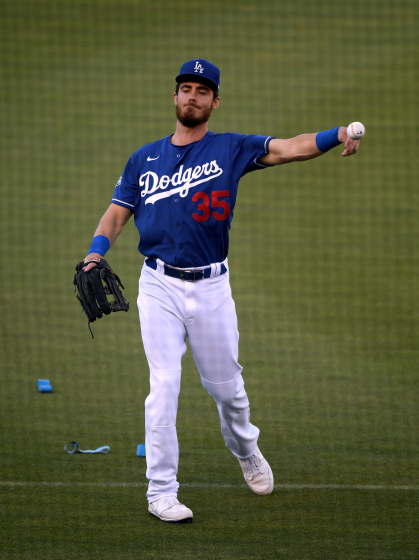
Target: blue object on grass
(141, 450)
(44, 386)
(104, 449)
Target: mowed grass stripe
(205, 485)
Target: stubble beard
(188, 119)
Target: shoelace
(169, 502)
(252, 465)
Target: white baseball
(356, 130)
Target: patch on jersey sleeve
(119, 181)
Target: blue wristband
(100, 244)
(328, 139)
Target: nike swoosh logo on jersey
(152, 158)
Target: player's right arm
(110, 226)
(305, 147)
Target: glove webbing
(92, 292)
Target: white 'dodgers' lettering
(197, 172)
(164, 181)
(177, 177)
(145, 180)
(185, 179)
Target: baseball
(356, 130)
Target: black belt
(186, 275)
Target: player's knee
(231, 398)
(161, 403)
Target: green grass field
(324, 270)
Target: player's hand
(351, 146)
(92, 264)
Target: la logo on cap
(200, 70)
(198, 67)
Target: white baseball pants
(204, 311)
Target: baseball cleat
(169, 509)
(257, 473)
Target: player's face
(194, 104)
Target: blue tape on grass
(44, 386)
(141, 450)
(76, 448)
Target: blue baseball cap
(202, 71)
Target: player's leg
(214, 338)
(163, 334)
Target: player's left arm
(304, 147)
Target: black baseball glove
(92, 291)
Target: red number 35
(215, 203)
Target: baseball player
(182, 191)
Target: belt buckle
(194, 272)
(188, 271)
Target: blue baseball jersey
(183, 197)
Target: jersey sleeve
(246, 151)
(126, 188)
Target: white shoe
(168, 508)
(257, 473)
